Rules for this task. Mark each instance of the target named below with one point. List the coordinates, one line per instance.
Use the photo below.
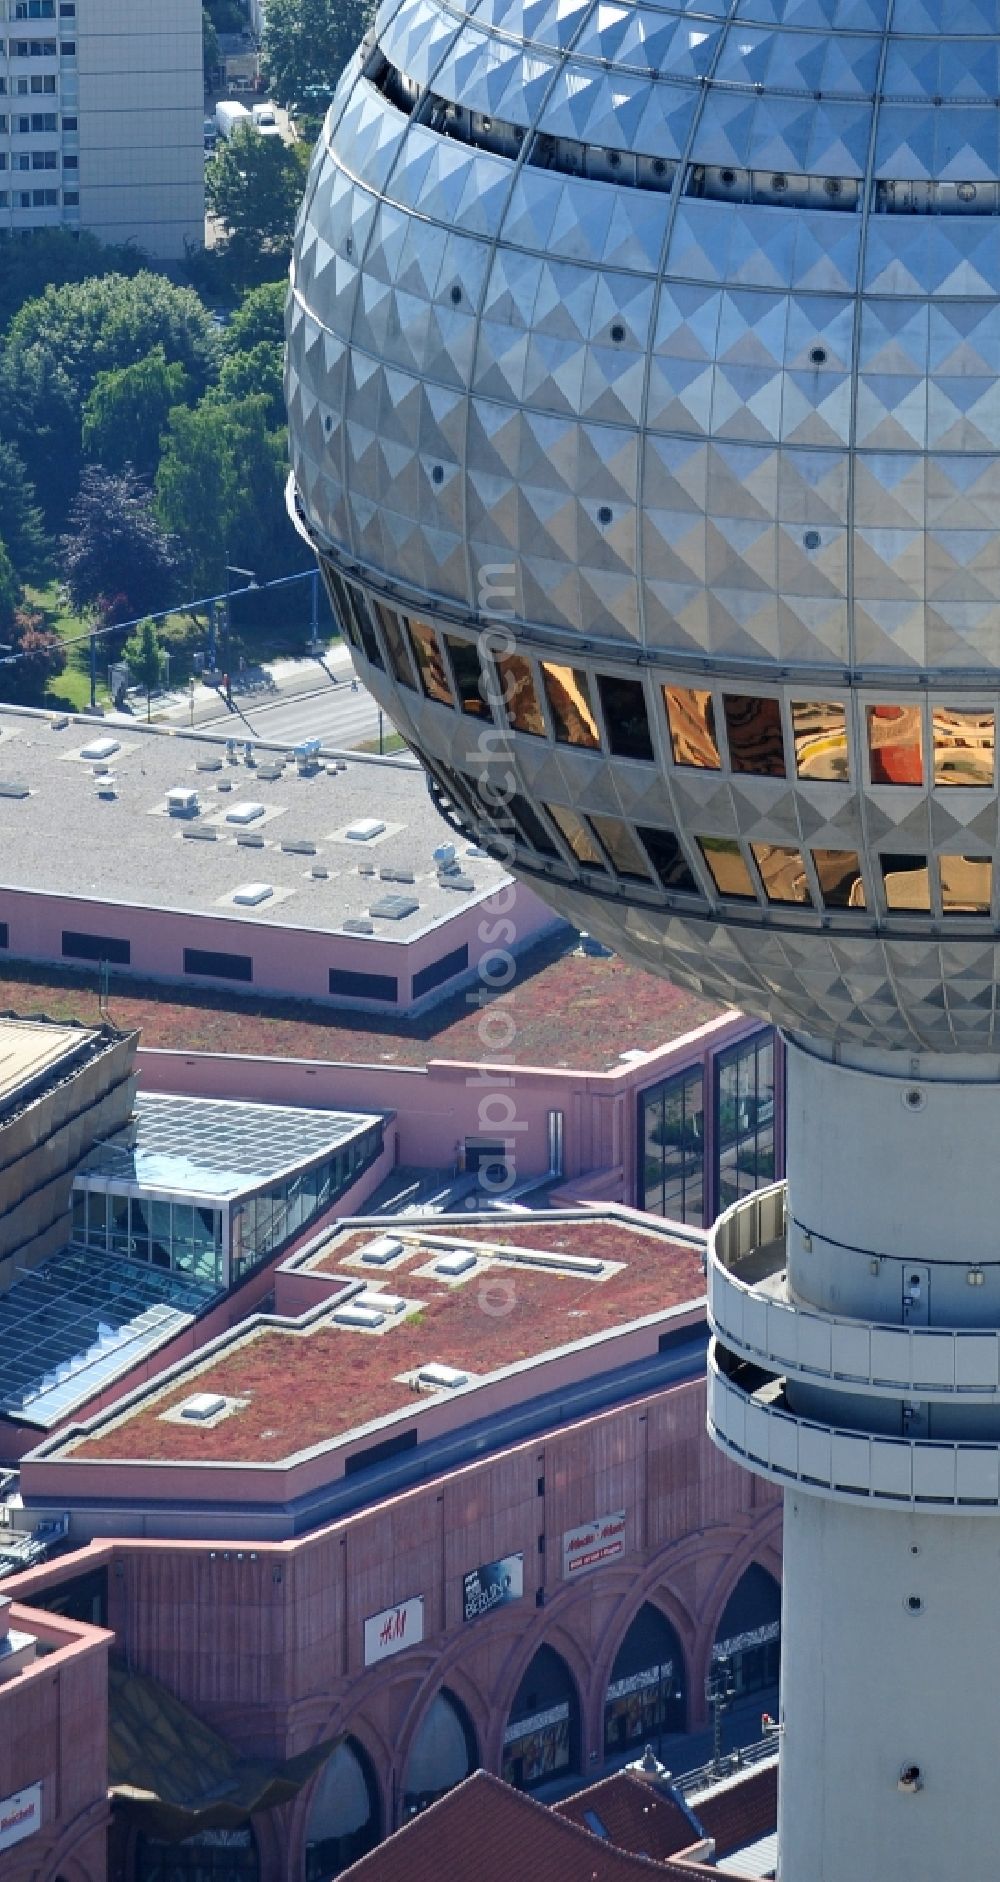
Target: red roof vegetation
(307, 1387)
(566, 1011)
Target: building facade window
(216, 965)
(672, 1148)
(744, 1118)
(355, 985)
(437, 972)
(96, 947)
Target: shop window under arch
(209, 1856)
(749, 1632)
(345, 1817)
(542, 1737)
(647, 1690)
(442, 1754)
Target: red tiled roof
(741, 1812)
(483, 1831)
(636, 1816)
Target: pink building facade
(54, 1812)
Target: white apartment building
(101, 111)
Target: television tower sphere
(644, 390)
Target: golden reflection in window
(429, 660)
(577, 836)
(728, 869)
(626, 857)
(756, 741)
(895, 745)
(819, 729)
(467, 675)
(906, 882)
(782, 872)
(395, 646)
(963, 746)
(519, 695)
(691, 718)
(568, 694)
(966, 884)
(841, 883)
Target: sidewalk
(280, 679)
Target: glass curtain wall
(672, 1138)
(185, 1237)
(744, 1098)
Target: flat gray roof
(67, 838)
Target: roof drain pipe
(556, 1120)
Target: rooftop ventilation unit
(444, 853)
(202, 1405)
(13, 790)
(446, 1377)
(208, 764)
(270, 773)
(357, 924)
(364, 830)
(298, 845)
(250, 839)
(394, 907)
(458, 1263)
(381, 1303)
(203, 833)
(182, 802)
(381, 1251)
(465, 883)
(318, 873)
(245, 813)
(364, 1317)
(397, 875)
(252, 894)
(101, 748)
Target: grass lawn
(68, 691)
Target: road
(335, 714)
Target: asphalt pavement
(333, 713)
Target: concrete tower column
(856, 1361)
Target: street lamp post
(251, 582)
(720, 1689)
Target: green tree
(21, 526)
(307, 43)
(144, 658)
(220, 491)
(259, 316)
(57, 345)
(37, 657)
(125, 412)
(10, 592)
(116, 548)
(256, 374)
(253, 187)
(211, 57)
(53, 258)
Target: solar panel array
(70, 1326)
(238, 1140)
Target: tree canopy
(259, 316)
(53, 258)
(21, 528)
(116, 548)
(258, 373)
(307, 43)
(220, 491)
(126, 411)
(144, 658)
(10, 591)
(253, 186)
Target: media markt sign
(492, 1585)
(591, 1545)
(394, 1629)
(20, 1815)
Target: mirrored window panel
(519, 694)
(963, 746)
(691, 718)
(668, 859)
(464, 657)
(568, 694)
(906, 883)
(895, 747)
(966, 884)
(530, 827)
(430, 662)
(358, 603)
(395, 645)
(756, 741)
(782, 872)
(841, 883)
(819, 730)
(626, 721)
(577, 835)
(729, 871)
(626, 857)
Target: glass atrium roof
(215, 1147)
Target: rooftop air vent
(356, 924)
(397, 875)
(354, 1316)
(394, 907)
(446, 1377)
(182, 802)
(271, 772)
(298, 845)
(250, 839)
(208, 764)
(245, 813)
(458, 1263)
(202, 832)
(381, 1303)
(364, 829)
(319, 874)
(202, 1405)
(380, 1252)
(9, 789)
(444, 853)
(464, 883)
(251, 894)
(101, 748)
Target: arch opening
(208, 1856)
(345, 1816)
(749, 1632)
(443, 1752)
(542, 1736)
(647, 1690)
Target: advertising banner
(395, 1628)
(492, 1585)
(20, 1815)
(592, 1545)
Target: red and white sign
(20, 1815)
(592, 1545)
(394, 1629)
